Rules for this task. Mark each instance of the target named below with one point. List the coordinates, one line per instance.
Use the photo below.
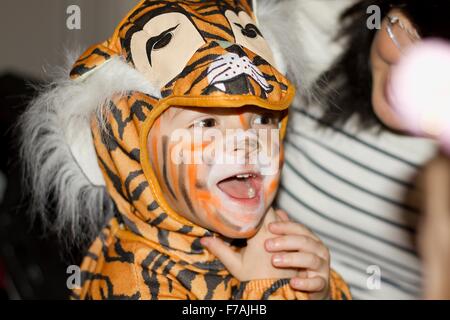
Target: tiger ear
(95, 57)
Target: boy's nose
(242, 144)
(247, 144)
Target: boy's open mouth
(242, 186)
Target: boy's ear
(95, 57)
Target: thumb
(230, 258)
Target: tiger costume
(200, 53)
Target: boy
(201, 66)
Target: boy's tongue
(241, 188)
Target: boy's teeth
(241, 186)
(244, 176)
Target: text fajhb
(231, 309)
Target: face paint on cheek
(281, 156)
(212, 207)
(217, 216)
(207, 208)
(199, 185)
(198, 151)
(211, 212)
(271, 189)
(208, 205)
(272, 181)
(167, 163)
(182, 182)
(188, 184)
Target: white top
(351, 188)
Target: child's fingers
(315, 284)
(305, 260)
(230, 258)
(297, 243)
(290, 227)
(282, 215)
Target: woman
(350, 169)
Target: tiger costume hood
(164, 53)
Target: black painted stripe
(353, 257)
(183, 188)
(165, 143)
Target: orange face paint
(194, 181)
(271, 189)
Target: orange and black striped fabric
(148, 251)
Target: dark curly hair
(345, 89)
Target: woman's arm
(434, 229)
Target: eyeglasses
(403, 36)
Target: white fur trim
(58, 151)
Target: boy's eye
(264, 119)
(205, 123)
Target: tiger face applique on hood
(196, 53)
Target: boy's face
(218, 167)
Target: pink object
(420, 90)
